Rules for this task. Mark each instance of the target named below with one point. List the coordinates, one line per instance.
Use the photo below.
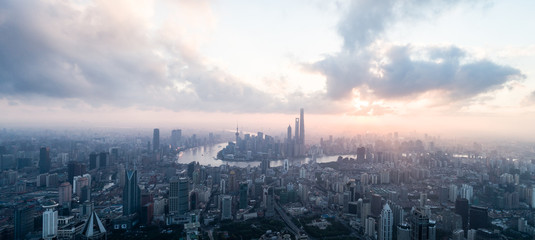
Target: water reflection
(206, 155)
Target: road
(287, 219)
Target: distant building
(44, 160)
(361, 154)
(75, 169)
(94, 163)
(103, 159)
(156, 140)
(176, 137)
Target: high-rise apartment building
(50, 220)
(65, 194)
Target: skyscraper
(131, 193)
(178, 196)
(156, 140)
(289, 134)
(386, 223)
(296, 129)
(376, 204)
(243, 195)
(479, 217)
(302, 127)
(296, 144)
(50, 220)
(44, 160)
(421, 227)
(176, 137)
(75, 169)
(93, 161)
(233, 184)
(264, 165)
(226, 207)
(461, 208)
(103, 159)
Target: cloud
(401, 72)
(97, 53)
(404, 77)
(529, 100)
(114, 53)
(366, 20)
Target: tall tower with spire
(302, 127)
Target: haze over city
(280, 120)
(456, 68)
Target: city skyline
(355, 66)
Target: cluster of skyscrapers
(295, 147)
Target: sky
(463, 68)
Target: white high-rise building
(467, 192)
(370, 227)
(50, 220)
(533, 197)
(453, 193)
(386, 223)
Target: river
(206, 155)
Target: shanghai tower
(302, 127)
